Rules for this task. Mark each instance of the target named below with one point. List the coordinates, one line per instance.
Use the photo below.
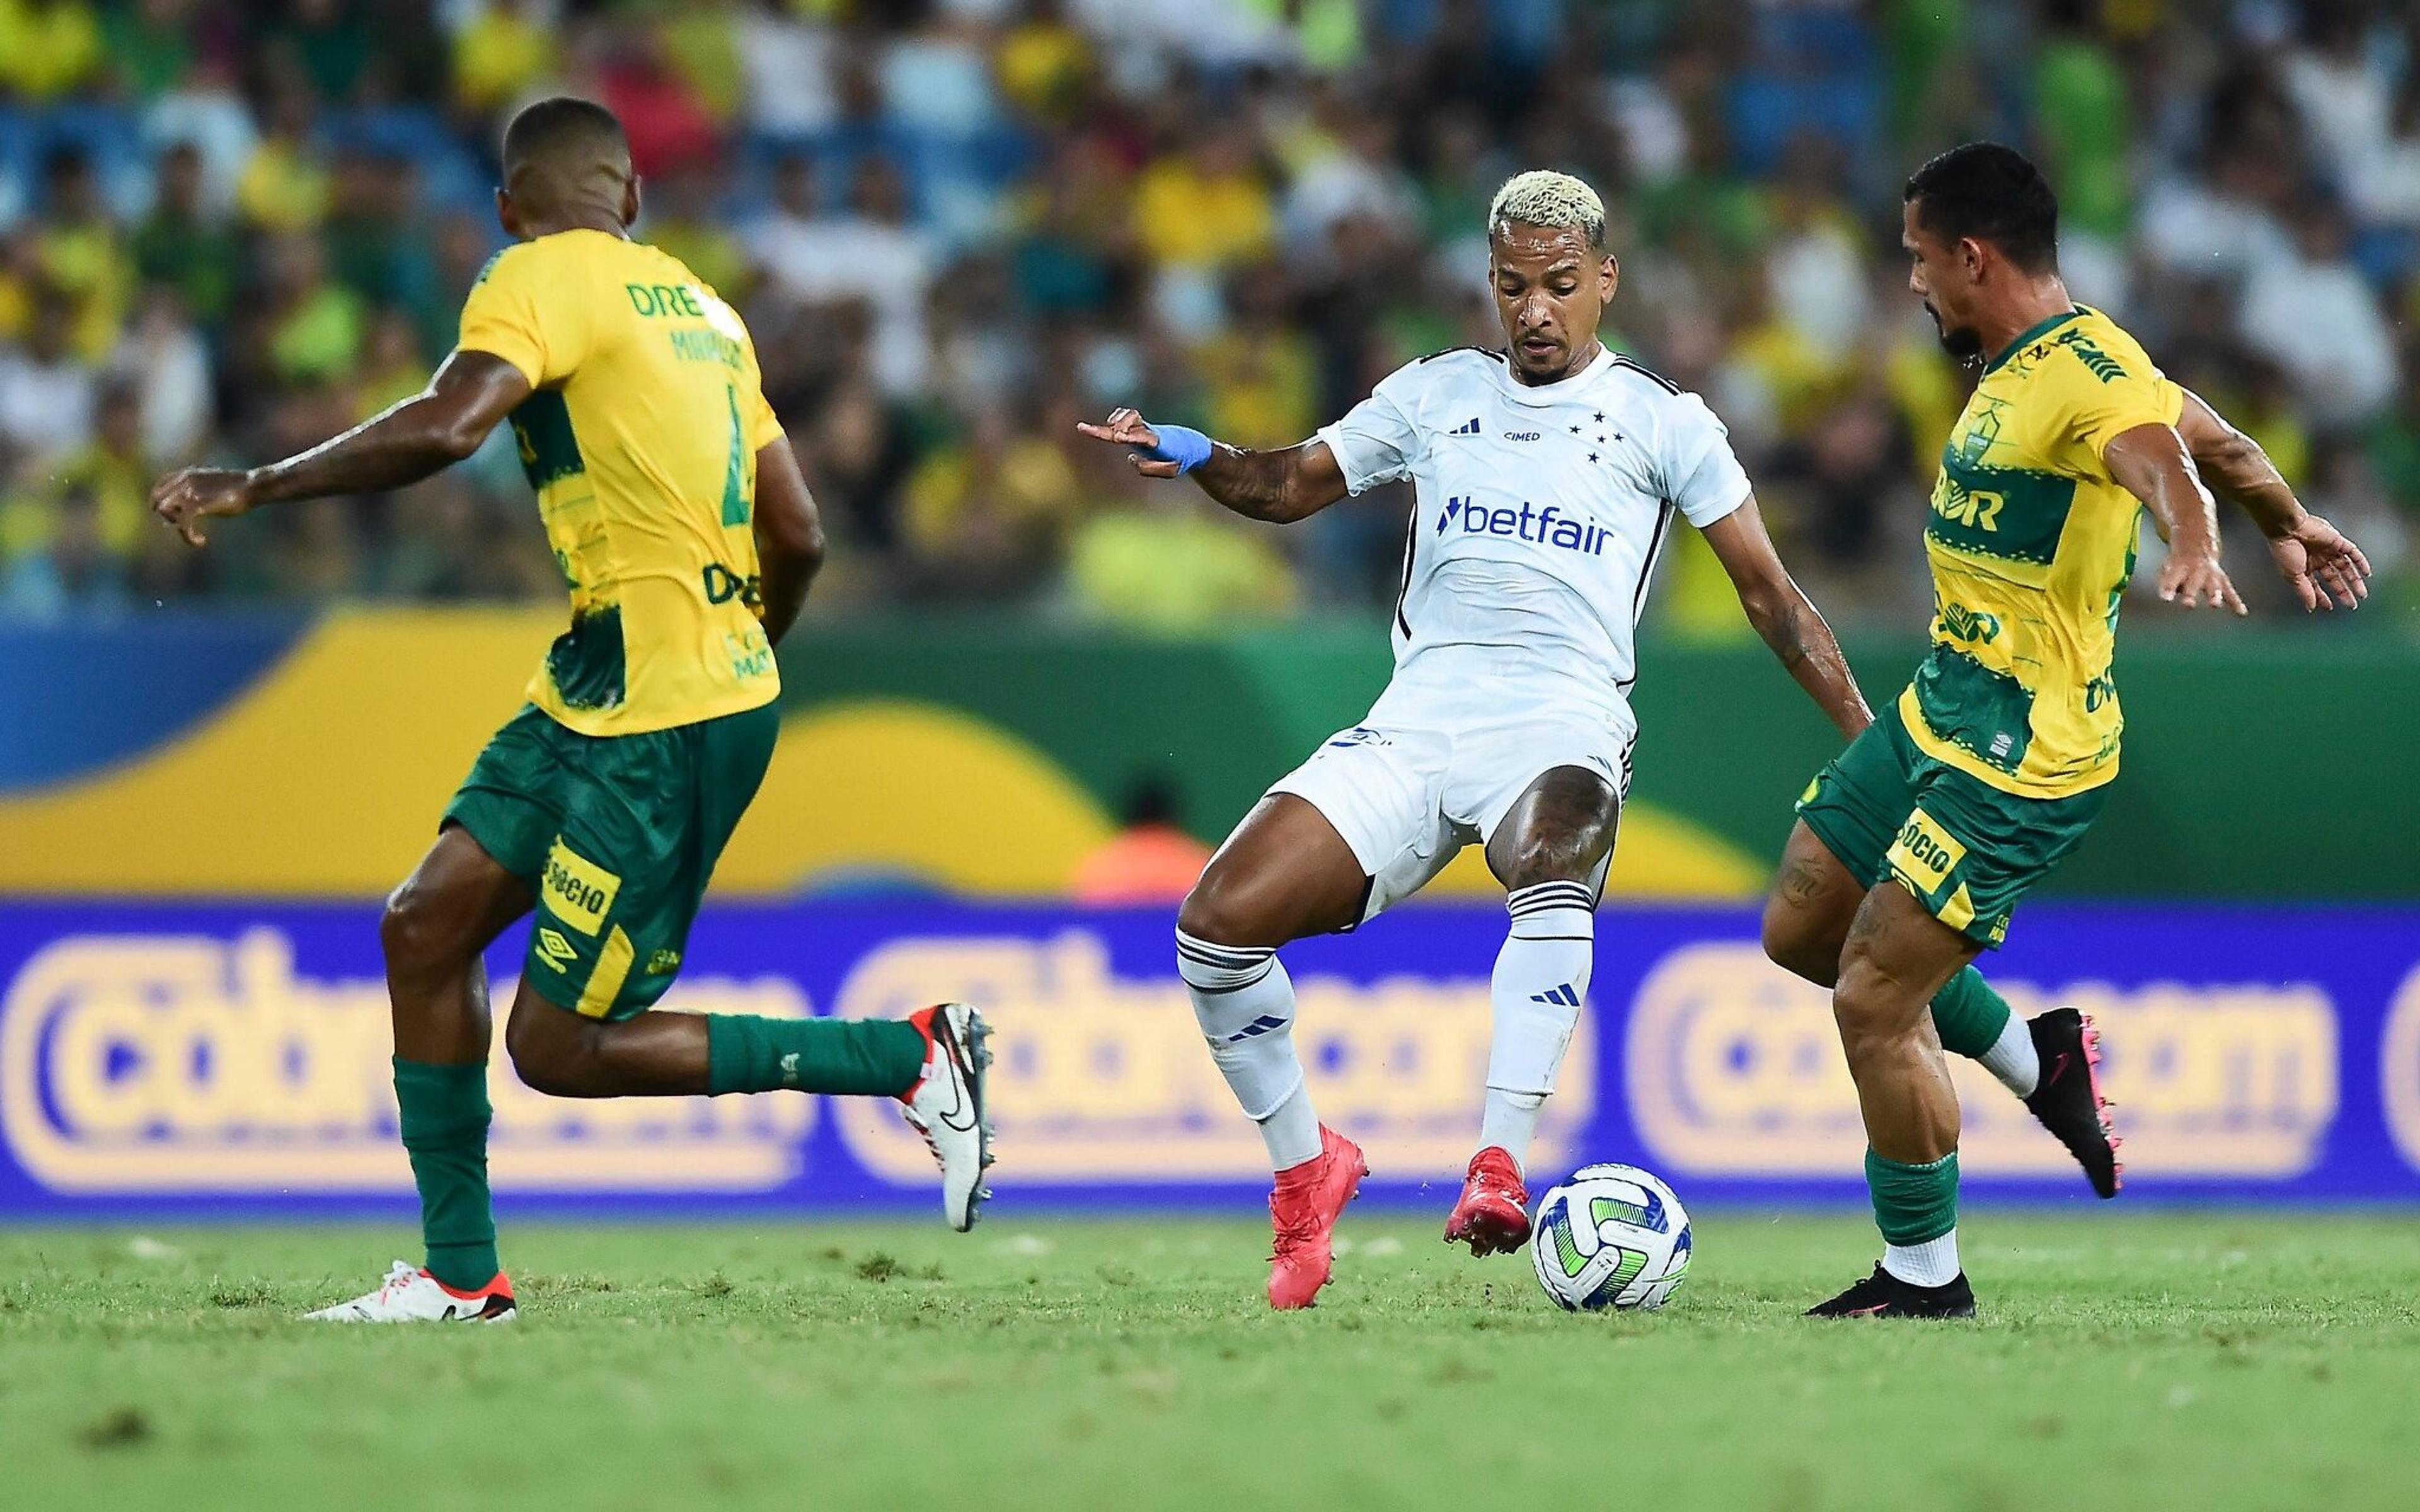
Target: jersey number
(735, 473)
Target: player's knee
(1557, 857)
(1792, 944)
(418, 933)
(545, 1060)
(1217, 911)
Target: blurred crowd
(958, 226)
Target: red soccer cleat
(1493, 1216)
(1303, 1211)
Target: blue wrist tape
(1181, 444)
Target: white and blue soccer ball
(1611, 1236)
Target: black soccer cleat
(1884, 1295)
(2068, 1098)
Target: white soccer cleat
(410, 1295)
(946, 1106)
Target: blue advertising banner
(180, 1060)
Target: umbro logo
(558, 952)
(1563, 997)
(1472, 429)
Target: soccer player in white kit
(1547, 479)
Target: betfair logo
(665, 301)
(576, 889)
(1548, 526)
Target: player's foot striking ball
(1303, 1208)
(1549, 475)
(1914, 845)
(2067, 1095)
(1492, 1214)
(678, 516)
(1884, 1295)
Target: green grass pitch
(2124, 1361)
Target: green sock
(1912, 1204)
(854, 1058)
(1969, 1015)
(445, 1123)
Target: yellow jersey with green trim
(640, 437)
(2032, 544)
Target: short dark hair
(560, 132)
(1992, 193)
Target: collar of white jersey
(1562, 388)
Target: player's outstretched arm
(789, 536)
(402, 444)
(1786, 618)
(2326, 569)
(2151, 462)
(1281, 486)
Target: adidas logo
(1259, 1026)
(1470, 429)
(1563, 997)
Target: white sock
(1509, 1119)
(1244, 1001)
(2013, 1058)
(1542, 977)
(1932, 1263)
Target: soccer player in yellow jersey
(687, 538)
(1912, 848)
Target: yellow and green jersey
(2032, 544)
(640, 439)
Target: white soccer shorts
(1416, 782)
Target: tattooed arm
(1280, 486)
(1784, 617)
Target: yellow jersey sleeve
(2100, 389)
(532, 310)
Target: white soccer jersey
(1539, 513)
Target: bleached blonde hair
(1544, 197)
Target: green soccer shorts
(1967, 850)
(617, 835)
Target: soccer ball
(1612, 1236)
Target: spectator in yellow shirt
(48, 48)
(1206, 207)
(501, 55)
(83, 254)
(285, 185)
